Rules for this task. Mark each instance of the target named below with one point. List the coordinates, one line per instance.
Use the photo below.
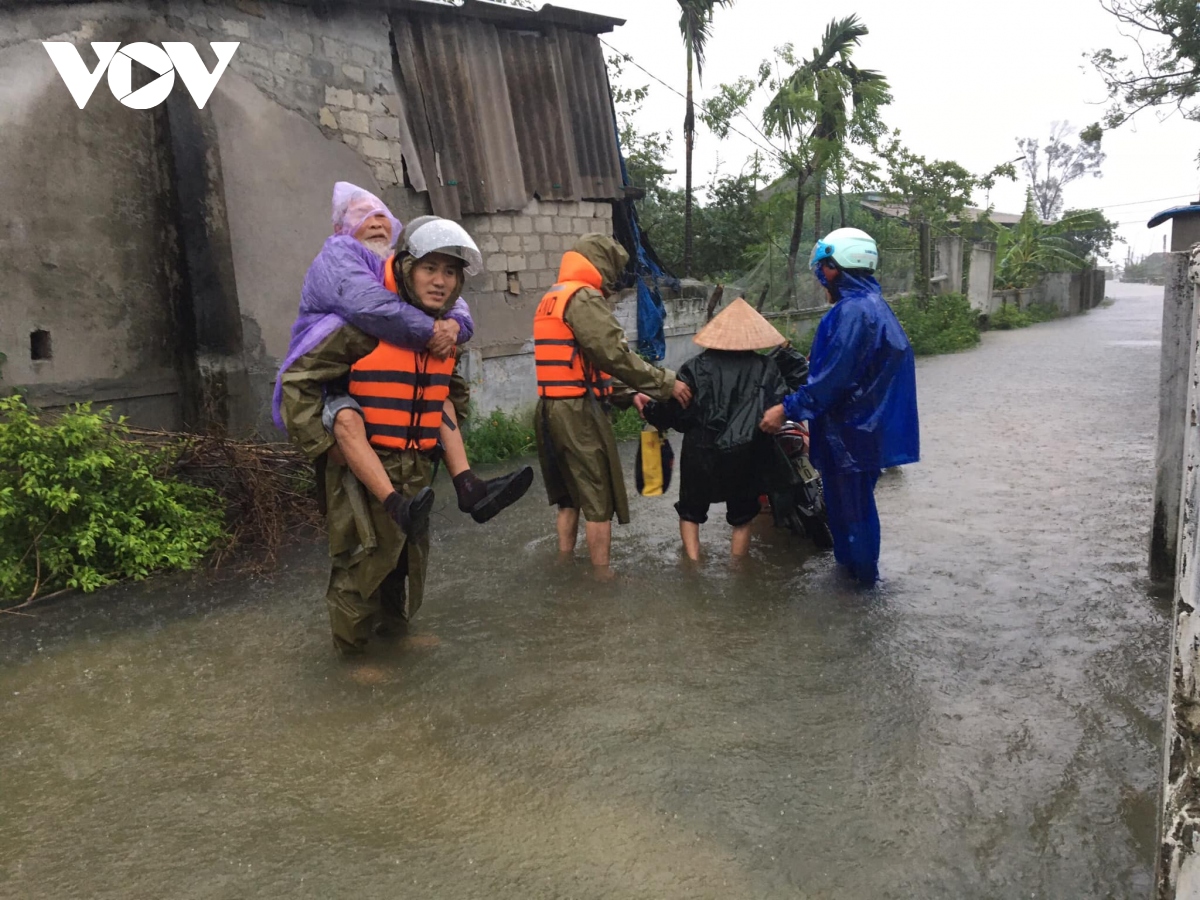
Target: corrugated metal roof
(513, 16)
(547, 150)
(500, 115)
(590, 107)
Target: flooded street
(985, 724)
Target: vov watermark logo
(171, 58)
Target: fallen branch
(268, 490)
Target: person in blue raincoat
(860, 399)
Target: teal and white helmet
(848, 248)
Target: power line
(769, 149)
(1153, 200)
(772, 149)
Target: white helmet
(849, 248)
(433, 234)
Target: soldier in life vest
(378, 564)
(579, 349)
(354, 279)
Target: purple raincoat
(344, 285)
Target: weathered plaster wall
(980, 278)
(279, 170)
(84, 231)
(1177, 343)
(1178, 862)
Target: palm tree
(826, 102)
(695, 24)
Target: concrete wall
(1177, 862)
(85, 236)
(947, 264)
(1070, 293)
(92, 243)
(1178, 303)
(981, 276)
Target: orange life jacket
(401, 392)
(562, 370)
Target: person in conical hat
(726, 458)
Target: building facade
(152, 259)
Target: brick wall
(523, 250)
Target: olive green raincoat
(576, 444)
(371, 557)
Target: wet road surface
(985, 724)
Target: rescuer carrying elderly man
(402, 398)
(579, 350)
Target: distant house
(152, 259)
(875, 205)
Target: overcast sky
(967, 80)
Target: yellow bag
(654, 464)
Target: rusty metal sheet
(499, 115)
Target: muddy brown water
(986, 723)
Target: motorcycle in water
(800, 506)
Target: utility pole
(924, 260)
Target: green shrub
(627, 423)
(941, 324)
(1042, 312)
(498, 436)
(81, 506)
(1009, 317)
(802, 342)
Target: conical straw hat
(738, 327)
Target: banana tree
(1031, 248)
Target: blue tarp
(652, 341)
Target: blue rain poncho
(861, 396)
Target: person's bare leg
(690, 533)
(740, 543)
(599, 541)
(568, 530)
(350, 431)
(454, 450)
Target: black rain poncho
(724, 453)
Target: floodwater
(985, 724)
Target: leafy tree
(1052, 167)
(731, 223)
(1093, 239)
(695, 25)
(934, 193)
(1168, 43)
